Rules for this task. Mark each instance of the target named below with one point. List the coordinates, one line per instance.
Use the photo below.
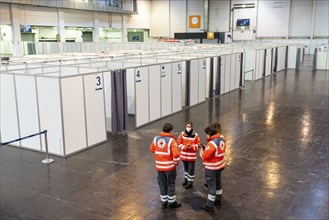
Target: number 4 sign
(138, 76)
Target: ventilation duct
(243, 6)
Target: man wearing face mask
(188, 142)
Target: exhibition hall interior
(164, 109)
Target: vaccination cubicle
(68, 103)
(262, 61)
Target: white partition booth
(69, 106)
(154, 91)
(281, 58)
(322, 60)
(230, 72)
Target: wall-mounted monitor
(245, 23)
(26, 29)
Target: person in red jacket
(167, 157)
(213, 159)
(188, 142)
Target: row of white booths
(78, 98)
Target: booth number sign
(179, 68)
(138, 76)
(163, 70)
(99, 85)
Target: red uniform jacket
(213, 154)
(183, 141)
(166, 152)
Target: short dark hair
(167, 127)
(217, 126)
(189, 123)
(210, 130)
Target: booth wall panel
(227, 73)
(28, 111)
(176, 86)
(202, 79)
(142, 96)
(292, 57)
(95, 108)
(207, 81)
(155, 92)
(131, 91)
(166, 90)
(108, 99)
(8, 110)
(237, 70)
(279, 67)
(268, 62)
(243, 59)
(50, 114)
(250, 64)
(215, 72)
(322, 59)
(273, 59)
(194, 82)
(222, 74)
(258, 61)
(73, 114)
(183, 82)
(232, 72)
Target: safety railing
(47, 160)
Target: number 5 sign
(179, 68)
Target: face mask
(188, 129)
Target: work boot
(218, 200)
(174, 205)
(189, 185)
(208, 209)
(164, 205)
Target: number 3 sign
(99, 85)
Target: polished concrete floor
(277, 131)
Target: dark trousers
(214, 185)
(189, 168)
(166, 180)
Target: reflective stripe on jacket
(183, 141)
(214, 152)
(166, 152)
